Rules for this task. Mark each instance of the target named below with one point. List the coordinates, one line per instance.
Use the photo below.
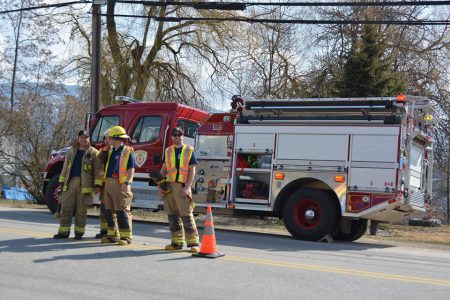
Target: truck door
(373, 161)
(416, 189)
(147, 137)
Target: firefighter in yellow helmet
(80, 178)
(111, 218)
(179, 169)
(119, 172)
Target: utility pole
(96, 53)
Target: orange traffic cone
(208, 248)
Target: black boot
(61, 236)
(78, 236)
(100, 235)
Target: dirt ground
(414, 236)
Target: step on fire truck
(325, 166)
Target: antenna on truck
(125, 99)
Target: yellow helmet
(117, 132)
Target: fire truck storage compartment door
(416, 165)
(312, 147)
(254, 141)
(373, 161)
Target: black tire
(357, 230)
(51, 193)
(321, 221)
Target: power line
(291, 21)
(45, 6)
(243, 5)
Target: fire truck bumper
(388, 212)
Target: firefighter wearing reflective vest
(111, 218)
(119, 171)
(80, 178)
(179, 169)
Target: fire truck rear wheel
(51, 193)
(358, 229)
(310, 214)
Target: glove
(163, 185)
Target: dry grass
(435, 237)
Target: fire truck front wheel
(310, 214)
(52, 193)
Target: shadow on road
(37, 216)
(104, 255)
(141, 230)
(43, 245)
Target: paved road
(256, 266)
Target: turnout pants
(181, 220)
(72, 200)
(120, 202)
(103, 218)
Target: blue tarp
(15, 193)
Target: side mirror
(133, 141)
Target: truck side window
(190, 128)
(147, 129)
(103, 124)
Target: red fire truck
(149, 126)
(325, 166)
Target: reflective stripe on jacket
(183, 169)
(90, 170)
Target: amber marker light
(279, 176)
(339, 178)
(401, 98)
(428, 117)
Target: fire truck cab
(325, 166)
(149, 125)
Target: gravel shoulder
(387, 234)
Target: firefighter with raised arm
(179, 170)
(80, 178)
(109, 219)
(119, 172)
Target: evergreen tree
(367, 71)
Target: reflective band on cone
(208, 248)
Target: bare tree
(268, 60)
(28, 46)
(157, 60)
(37, 127)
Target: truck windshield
(103, 124)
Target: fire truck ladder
(384, 110)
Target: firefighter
(119, 171)
(111, 218)
(80, 178)
(179, 169)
